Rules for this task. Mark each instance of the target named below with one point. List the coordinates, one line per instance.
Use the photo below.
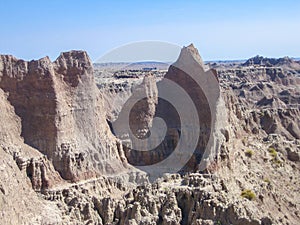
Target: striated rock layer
(19, 203)
(61, 114)
(53, 130)
(200, 123)
(33, 164)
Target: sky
(221, 30)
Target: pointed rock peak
(190, 54)
(193, 50)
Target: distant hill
(226, 61)
(148, 65)
(285, 62)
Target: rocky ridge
(60, 113)
(285, 62)
(56, 138)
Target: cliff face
(60, 110)
(54, 137)
(202, 86)
(259, 151)
(23, 169)
(187, 102)
(267, 98)
(30, 161)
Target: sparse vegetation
(249, 153)
(248, 194)
(267, 180)
(273, 152)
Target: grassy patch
(248, 194)
(272, 151)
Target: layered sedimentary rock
(202, 86)
(271, 93)
(30, 161)
(18, 202)
(22, 170)
(61, 114)
(53, 127)
(198, 123)
(260, 155)
(285, 62)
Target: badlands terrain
(64, 160)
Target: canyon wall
(62, 115)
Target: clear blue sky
(219, 29)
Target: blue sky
(219, 29)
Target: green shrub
(272, 152)
(248, 194)
(275, 158)
(249, 153)
(267, 180)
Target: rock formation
(62, 115)
(285, 62)
(61, 161)
(185, 80)
(33, 164)
(19, 203)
